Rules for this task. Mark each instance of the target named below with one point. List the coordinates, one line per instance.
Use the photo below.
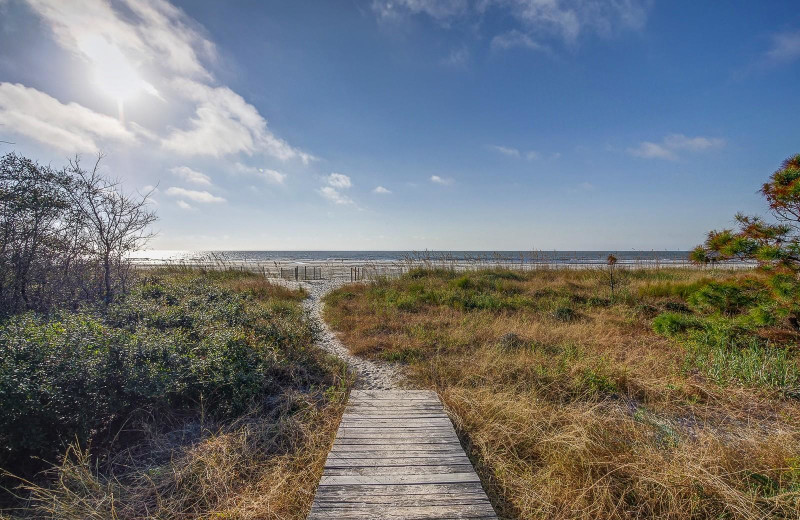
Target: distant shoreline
(404, 256)
(370, 265)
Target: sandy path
(370, 375)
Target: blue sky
(412, 124)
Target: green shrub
(729, 355)
(563, 313)
(671, 323)
(170, 346)
(664, 289)
(726, 298)
(596, 383)
(463, 282)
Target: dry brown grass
(255, 468)
(584, 413)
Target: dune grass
(199, 395)
(675, 398)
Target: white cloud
(649, 150)
(184, 205)
(339, 180)
(441, 10)
(445, 181)
(224, 123)
(681, 142)
(194, 195)
(505, 150)
(532, 155)
(125, 41)
(785, 47)
(70, 127)
(516, 38)
(334, 195)
(272, 176)
(381, 190)
(568, 19)
(564, 20)
(670, 145)
(458, 57)
(161, 33)
(335, 183)
(191, 176)
(266, 174)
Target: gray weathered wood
(396, 455)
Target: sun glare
(113, 73)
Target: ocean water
(550, 257)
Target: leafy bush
(726, 298)
(172, 345)
(671, 323)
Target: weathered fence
(298, 273)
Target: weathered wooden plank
(395, 420)
(369, 443)
(389, 453)
(396, 455)
(405, 512)
(467, 476)
(431, 447)
(404, 500)
(393, 394)
(416, 470)
(393, 462)
(355, 436)
(375, 492)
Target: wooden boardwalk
(396, 456)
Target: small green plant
(671, 323)
(597, 383)
(565, 314)
(726, 298)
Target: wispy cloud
(785, 47)
(184, 205)
(339, 180)
(458, 57)
(127, 40)
(335, 183)
(568, 19)
(224, 123)
(505, 150)
(265, 174)
(194, 195)
(191, 176)
(516, 38)
(381, 190)
(68, 126)
(441, 10)
(445, 181)
(510, 151)
(538, 22)
(334, 195)
(670, 146)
